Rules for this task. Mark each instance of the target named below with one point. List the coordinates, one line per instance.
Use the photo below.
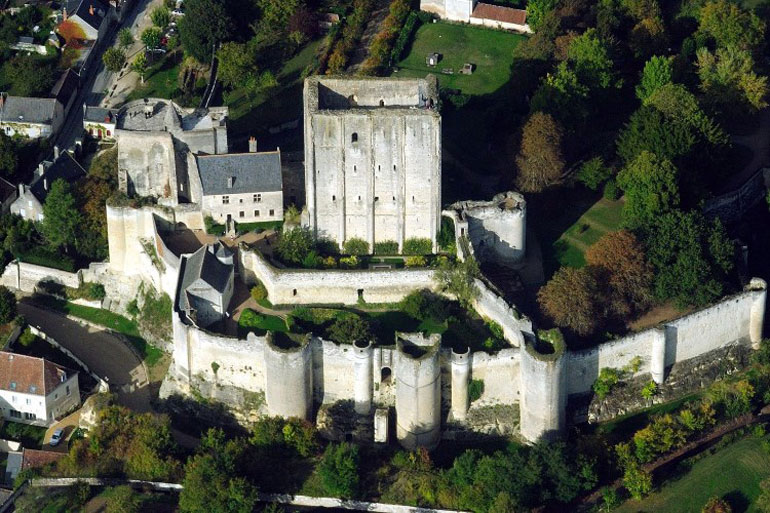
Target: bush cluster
(381, 49)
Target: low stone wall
(25, 277)
(307, 286)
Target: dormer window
(230, 181)
(13, 385)
(32, 389)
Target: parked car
(177, 12)
(56, 437)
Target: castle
(425, 384)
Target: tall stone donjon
(372, 159)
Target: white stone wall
(270, 201)
(299, 286)
(493, 307)
(500, 373)
(500, 25)
(26, 277)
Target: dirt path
(379, 13)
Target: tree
(563, 96)
(459, 279)
(61, 218)
(123, 499)
(658, 71)
(590, 58)
(651, 188)
(728, 80)
(348, 329)
(160, 17)
(212, 480)
(650, 130)
(8, 158)
(339, 470)
(621, 255)
(540, 161)
(125, 38)
(730, 26)
(294, 244)
(7, 305)
(140, 65)
(648, 37)
(570, 300)
(206, 23)
(275, 17)
(537, 11)
(29, 75)
(151, 37)
(691, 257)
(593, 173)
(763, 501)
(716, 505)
(638, 482)
(114, 59)
(237, 64)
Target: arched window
(354, 137)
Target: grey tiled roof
(251, 172)
(66, 86)
(99, 114)
(204, 265)
(28, 110)
(65, 167)
(84, 12)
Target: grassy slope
(733, 473)
(490, 50)
(161, 80)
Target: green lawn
(160, 81)
(491, 51)
(732, 473)
(569, 238)
(127, 327)
(260, 323)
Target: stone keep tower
(372, 159)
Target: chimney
(252, 144)
(55, 152)
(21, 189)
(45, 183)
(40, 169)
(64, 14)
(91, 9)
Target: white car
(177, 12)
(56, 437)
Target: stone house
(206, 284)
(99, 122)
(36, 391)
(29, 203)
(478, 13)
(244, 187)
(33, 118)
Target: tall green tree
(658, 71)
(459, 279)
(728, 25)
(60, 216)
(140, 65)
(537, 11)
(8, 157)
(160, 17)
(339, 470)
(151, 37)
(7, 305)
(125, 38)
(114, 59)
(237, 64)
(206, 23)
(30, 75)
(691, 257)
(589, 55)
(728, 80)
(651, 187)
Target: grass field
(583, 220)
(260, 323)
(490, 50)
(732, 473)
(160, 81)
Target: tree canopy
(61, 218)
(205, 24)
(651, 187)
(540, 160)
(658, 71)
(728, 25)
(114, 59)
(570, 300)
(8, 157)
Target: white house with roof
(35, 390)
(99, 123)
(34, 118)
(478, 13)
(244, 187)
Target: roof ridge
(240, 154)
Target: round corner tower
(543, 387)
(289, 379)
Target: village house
(34, 118)
(29, 203)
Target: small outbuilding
(432, 59)
(467, 69)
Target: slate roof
(28, 110)
(30, 375)
(65, 167)
(83, 11)
(7, 190)
(251, 172)
(100, 115)
(205, 266)
(66, 86)
(500, 13)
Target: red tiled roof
(500, 13)
(30, 375)
(32, 458)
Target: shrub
(94, 291)
(339, 470)
(415, 261)
(608, 378)
(349, 328)
(212, 228)
(312, 260)
(386, 247)
(294, 245)
(259, 292)
(417, 246)
(350, 262)
(329, 262)
(404, 36)
(475, 389)
(593, 173)
(356, 246)
(649, 390)
(7, 305)
(132, 308)
(716, 505)
(424, 304)
(637, 482)
(26, 338)
(611, 190)
(214, 367)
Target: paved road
(102, 352)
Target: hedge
(416, 246)
(386, 247)
(41, 256)
(356, 246)
(381, 49)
